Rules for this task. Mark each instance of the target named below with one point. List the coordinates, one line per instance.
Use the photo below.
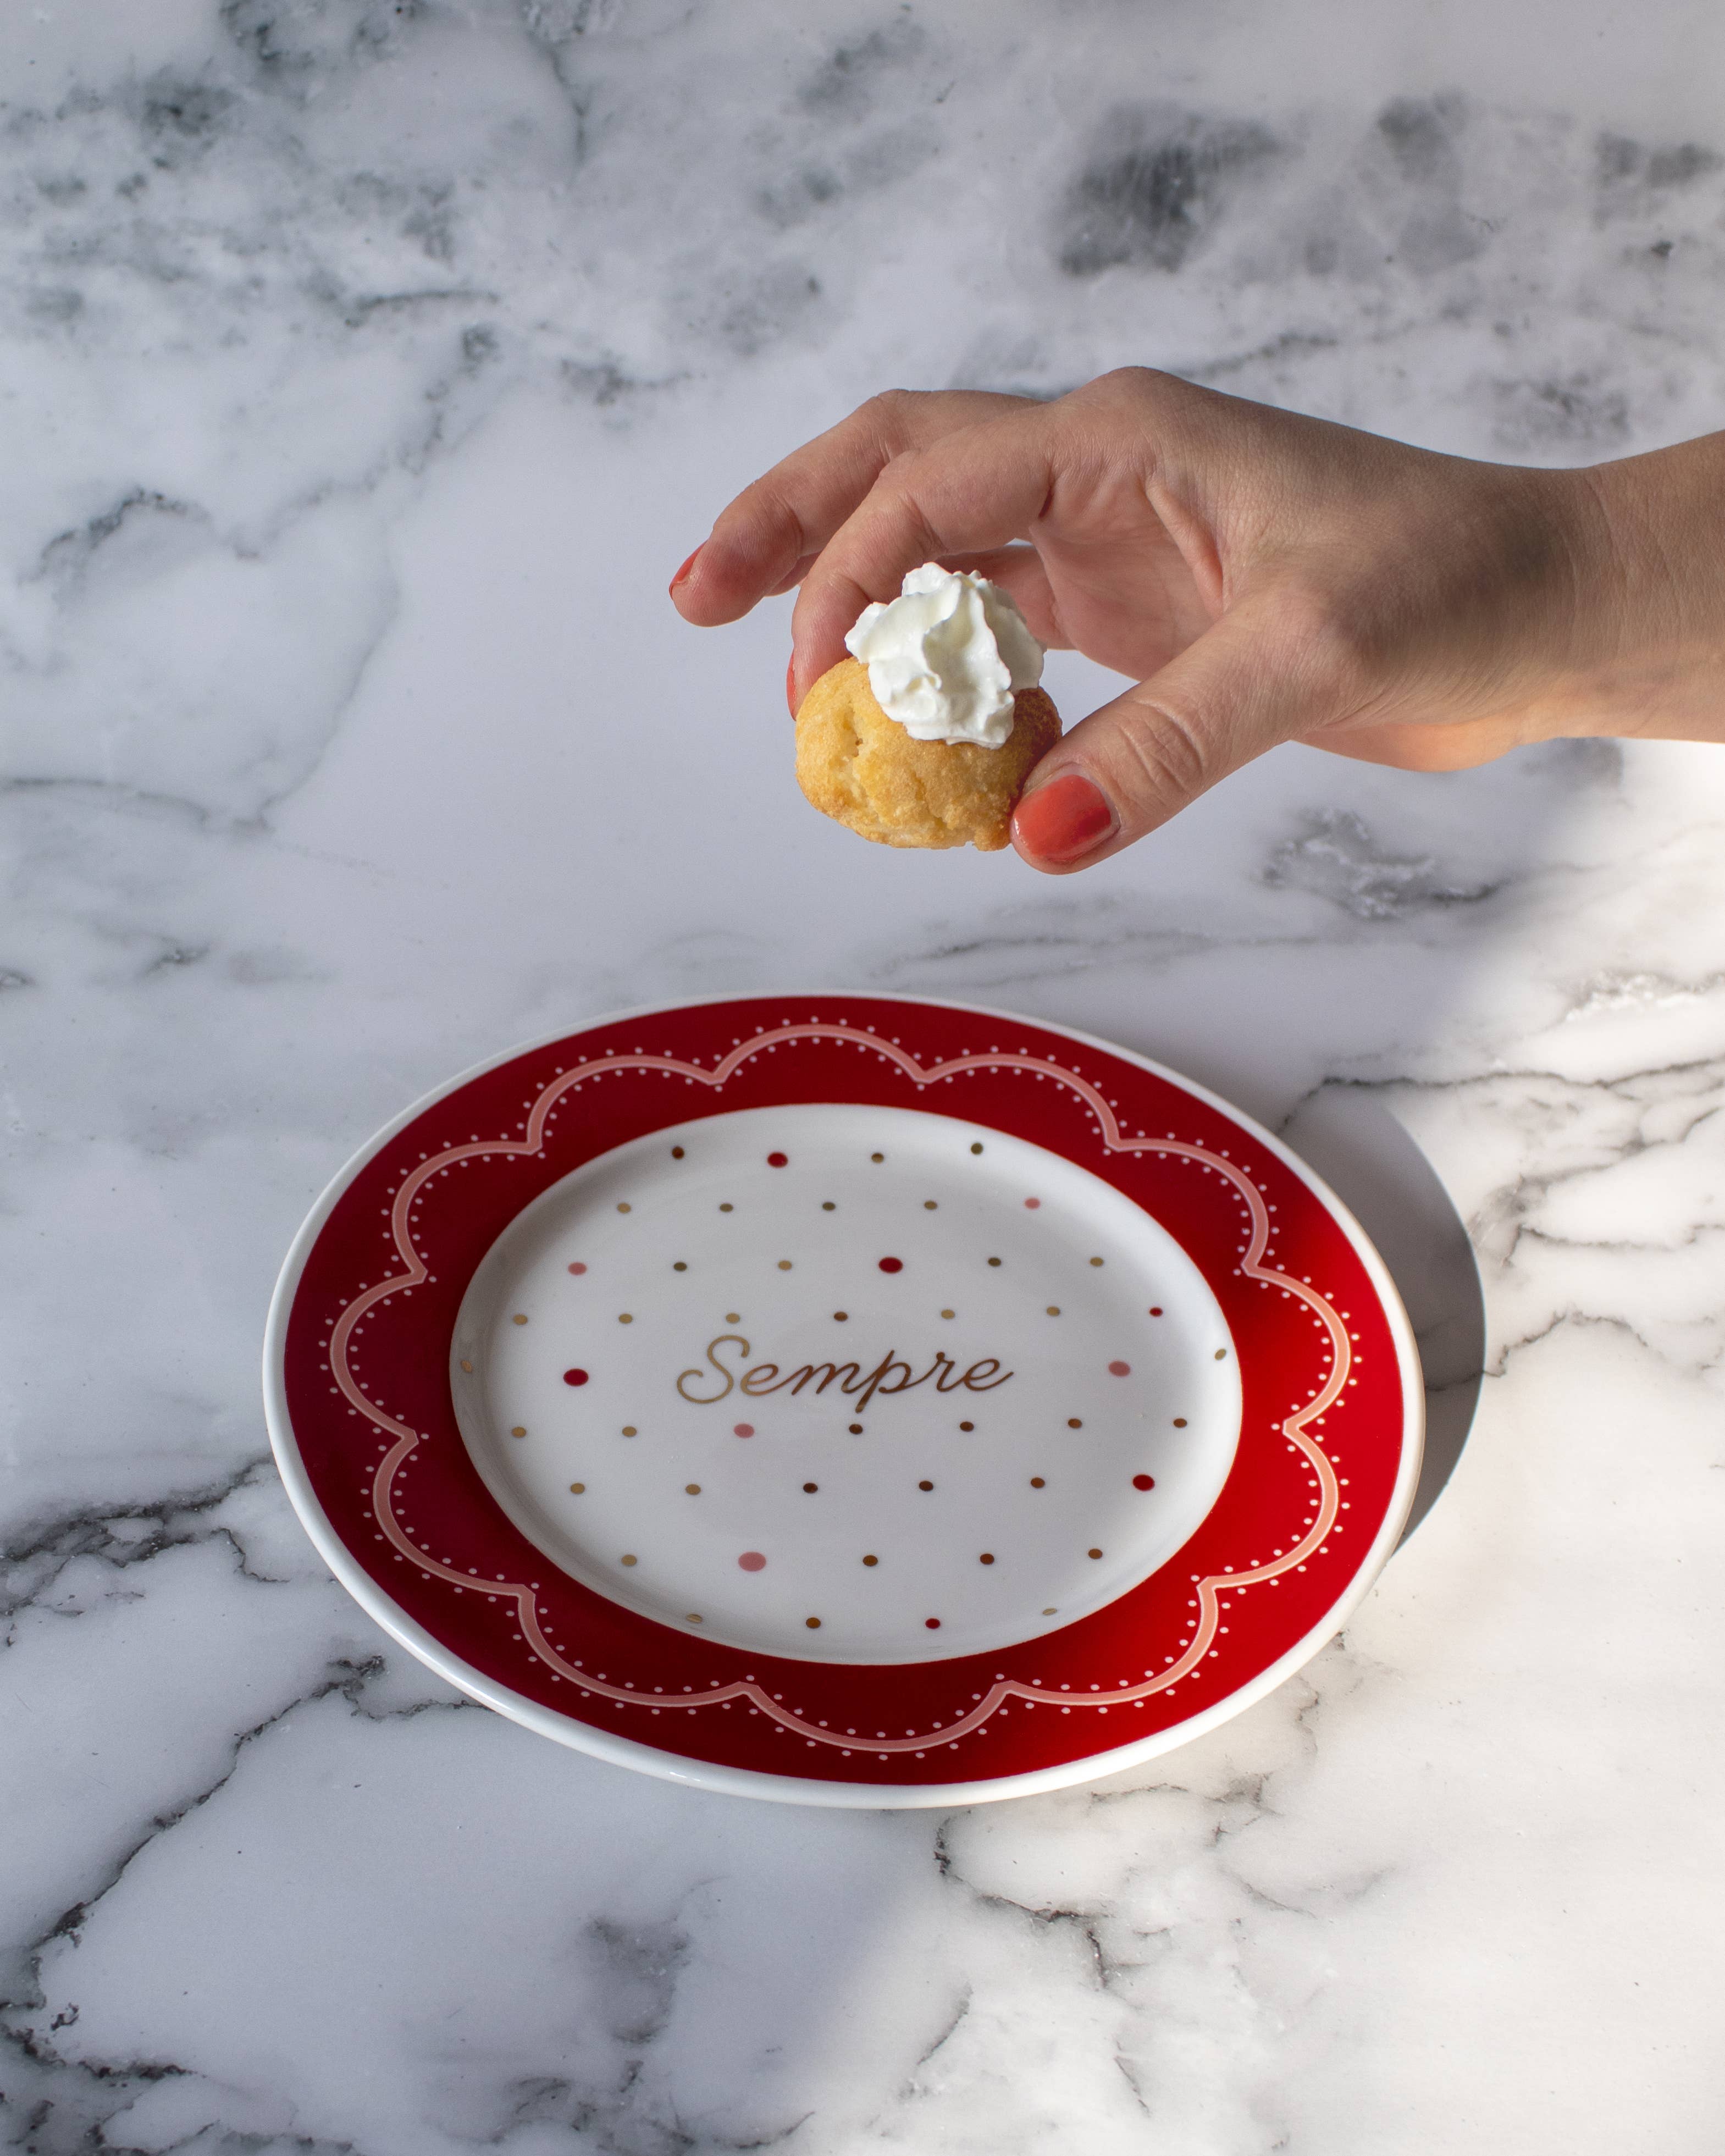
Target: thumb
(1245, 685)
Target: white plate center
(850, 1384)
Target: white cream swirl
(945, 657)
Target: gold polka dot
(1179, 1422)
(1037, 1483)
(694, 1617)
(1094, 1552)
(949, 1313)
(1221, 1354)
(841, 1317)
(871, 1560)
(1054, 1309)
(733, 1317)
(828, 1206)
(925, 1485)
(727, 1207)
(976, 1148)
(986, 1557)
(676, 1153)
(877, 1156)
(1073, 1423)
(625, 1318)
(993, 1261)
(784, 1265)
(623, 1206)
(930, 1206)
(1048, 1613)
(692, 1489)
(467, 1366)
(967, 1425)
(628, 1560)
(519, 1430)
(812, 1622)
(678, 1266)
(579, 1489)
(855, 1427)
(811, 1487)
(1095, 1261)
(518, 1319)
(629, 1429)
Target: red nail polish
(685, 570)
(790, 685)
(1064, 820)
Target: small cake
(926, 735)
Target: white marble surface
(365, 370)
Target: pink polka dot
(1120, 1369)
(578, 1267)
(778, 1160)
(742, 1430)
(574, 1377)
(933, 1624)
(752, 1561)
(1033, 1202)
(892, 1265)
(1143, 1481)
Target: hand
(1263, 577)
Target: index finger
(767, 537)
(974, 490)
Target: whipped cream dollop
(945, 657)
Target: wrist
(1654, 528)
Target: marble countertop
(365, 371)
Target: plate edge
(735, 1781)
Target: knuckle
(1128, 384)
(767, 518)
(890, 413)
(1169, 759)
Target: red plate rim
(1223, 1592)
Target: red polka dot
(578, 1267)
(892, 1265)
(1033, 1202)
(778, 1160)
(574, 1377)
(933, 1624)
(1143, 1481)
(1120, 1369)
(752, 1561)
(743, 1430)
(1156, 1309)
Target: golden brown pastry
(858, 766)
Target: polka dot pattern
(982, 1341)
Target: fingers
(974, 492)
(765, 541)
(1258, 677)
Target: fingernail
(685, 570)
(790, 685)
(1064, 820)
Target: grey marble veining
(365, 370)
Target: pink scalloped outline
(1209, 1588)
